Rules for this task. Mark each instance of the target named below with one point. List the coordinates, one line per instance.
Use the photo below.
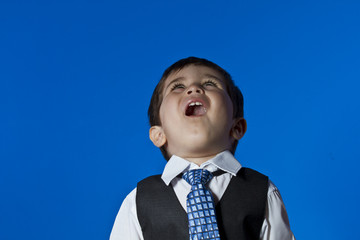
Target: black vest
(240, 212)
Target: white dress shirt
(275, 226)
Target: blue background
(76, 79)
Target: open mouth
(195, 109)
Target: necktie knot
(197, 176)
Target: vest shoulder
(151, 178)
(248, 172)
(252, 177)
(150, 181)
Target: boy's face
(196, 114)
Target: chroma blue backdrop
(75, 82)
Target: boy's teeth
(195, 103)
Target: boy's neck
(199, 160)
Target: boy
(196, 118)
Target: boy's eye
(177, 86)
(210, 83)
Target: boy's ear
(239, 128)
(157, 136)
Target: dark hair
(157, 96)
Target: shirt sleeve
(276, 223)
(126, 224)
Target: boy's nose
(195, 89)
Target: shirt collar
(224, 161)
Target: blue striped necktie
(200, 206)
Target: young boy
(196, 118)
